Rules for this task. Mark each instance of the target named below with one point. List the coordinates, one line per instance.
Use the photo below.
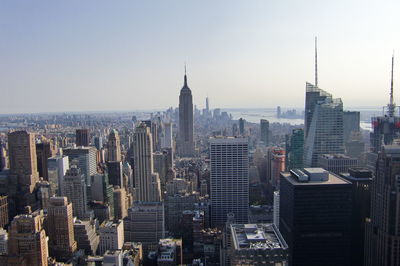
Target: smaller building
(111, 236)
(256, 244)
(337, 163)
(169, 252)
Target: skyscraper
(60, 228)
(382, 233)
(44, 150)
(185, 134)
(74, 188)
(264, 131)
(23, 170)
(82, 137)
(86, 158)
(295, 149)
(315, 217)
(229, 179)
(147, 182)
(114, 147)
(57, 166)
(241, 126)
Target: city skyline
(82, 57)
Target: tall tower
(147, 182)
(185, 134)
(60, 228)
(114, 147)
(82, 137)
(382, 230)
(74, 188)
(264, 131)
(229, 179)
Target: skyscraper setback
(185, 134)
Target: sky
(97, 55)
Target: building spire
(391, 105)
(316, 63)
(185, 78)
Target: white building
(111, 236)
(229, 182)
(57, 166)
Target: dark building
(241, 126)
(82, 137)
(115, 176)
(360, 179)
(295, 149)
(3, 211)
(264, 131)
(44, 150)
(351, 124)
(382, 230)
(315, 217)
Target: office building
(86, 236)
(27, 239)
(351, 124)
(337, 163)
(60, 229)
(82, 137)
(360, 179)
(111, 236)
(147, 182)
(98, 142)
(257, 244)
(23, 171)
(169, 252)
(114, 147)
(275, 215)
(275, 165)
(241, 127)
(3, 211)
(3, 242)
(166, 141)
(229, 180)
(120, 204)
(57, 166)
(145, 224)
(382, 234)
(264, 131)
(86, 159)
(185, 134)
(74, 188)
(115, 173)
(44, 150)
(295, 149)
(315, 217)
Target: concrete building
(82, 137)
(74, 188)
(44, 150)
(60, 229)
(86, 159)
(166, 141)
(28, 240)
(275, 215)
(351, 124)
(241, 127)
(264, 131)
(3, 242)
(229, 180)
(57, 166)
(145, 224)
(315, 217)
(111, 236)
(86, 236)
(323, 125)
(382, 234)
(114, 147)
(275, 165)
(337, 163)
(169, 252)
(185, 134)
(120, 206)
(113, 258)
(257, 244)
(147, 182)
(4, 218)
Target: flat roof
(332, 180)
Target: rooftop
(304, 177)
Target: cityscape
(197, 183)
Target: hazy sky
(129, 55)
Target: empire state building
(185, 135)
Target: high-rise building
(323, 124)
(86, 236)
(82, 137)
(27, 239)
(44, 150)
(23, 170)
(229, 181)
(295, 149)
(275, 165)
(315, 217)
(120, 206)
(111, 236)
(241, 126)
(382, 234)
(145, 224)
(275, 214)
(351, 124)
(169, 252)
(98, 142)
(114, 147)
(74, 188)
(147, 182)
(86, 159)
(360, 179)
(264, 131)
(60, 229)
(257, 244)
(115, 174)
(166, 141)
(57, 166)
(185, 134)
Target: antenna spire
(392, 105)
(316, 63)
(185, 78)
